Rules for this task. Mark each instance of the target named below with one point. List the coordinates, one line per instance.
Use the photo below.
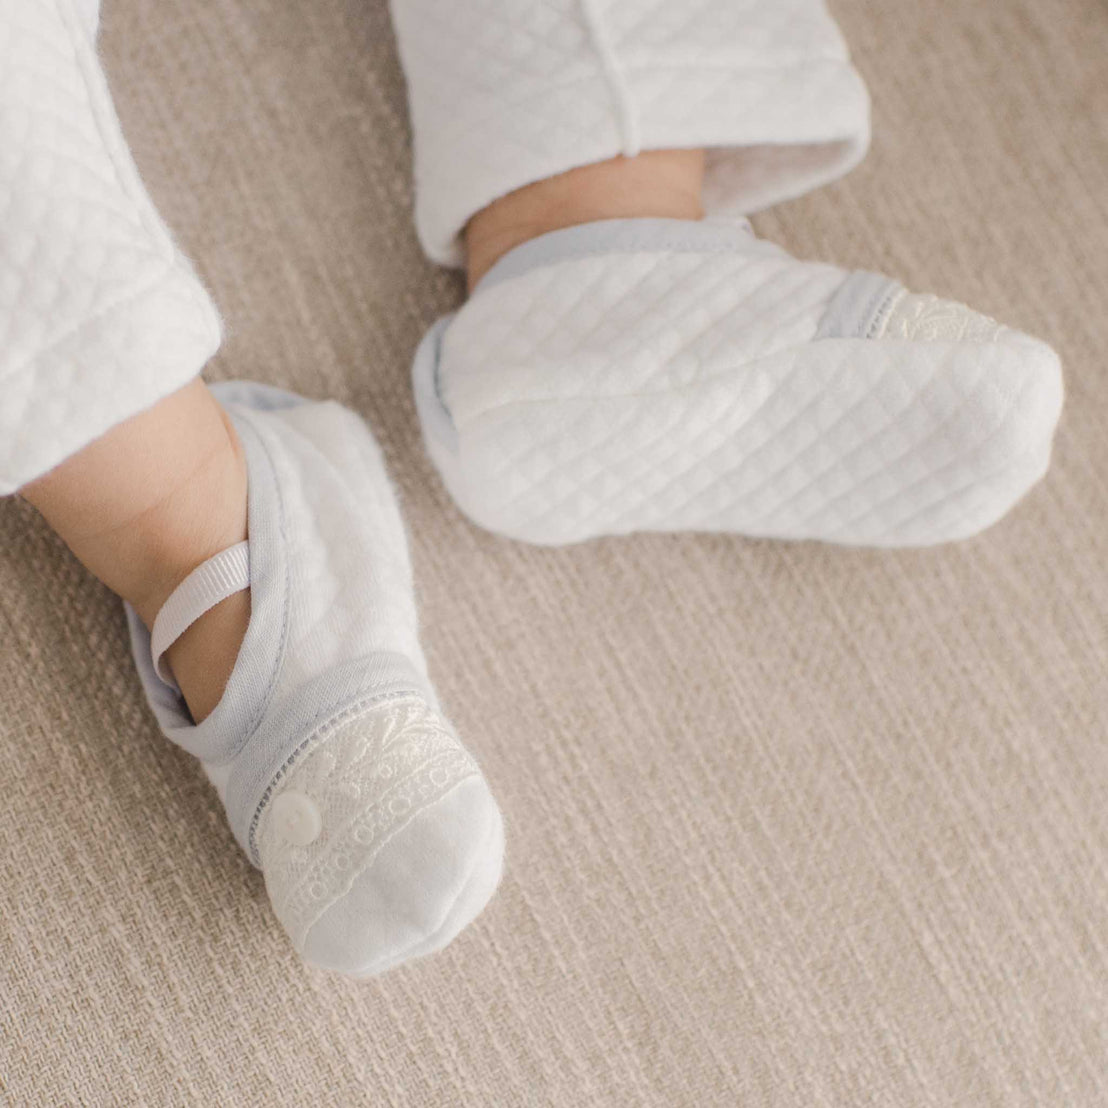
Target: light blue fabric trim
(434, 416)
(857, 308)
(621, 236)
(220, 737)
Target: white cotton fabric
(330, 707)
(504, 94)
(655, 375)
(100, 313)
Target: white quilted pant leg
(100, 313)
(506, 92)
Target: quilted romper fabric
(630, 376)
(100, 313)
(505, 92)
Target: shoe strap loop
(221, 576)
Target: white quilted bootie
(660, 375)
(100, 313)
(374, 828)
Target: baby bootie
(374, 829)
(664, 375)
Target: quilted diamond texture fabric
(503, 94)
(100, 314)
(686, 390)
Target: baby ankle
(202, 516)
(660, 184)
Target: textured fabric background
(788, 826)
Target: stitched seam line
(448, 151)
(883, 310)
(126, 173)
(278, 662)
(630, 132)
(671, 242)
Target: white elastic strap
(221, 576)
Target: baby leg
(254, 536)
(145, 504)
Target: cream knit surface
(787, 826)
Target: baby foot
(374, 828)
(658, 375)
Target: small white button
(297, 818)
